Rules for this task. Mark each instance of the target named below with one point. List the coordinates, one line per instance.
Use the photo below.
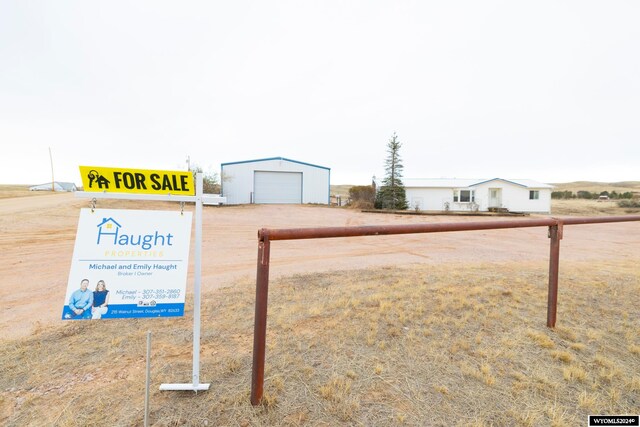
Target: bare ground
(37, 236)
(447, 328)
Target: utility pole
(53, 182)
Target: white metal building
(56, 186)
(275, 180)
(515, 195)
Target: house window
(463, 196)
(534, 194)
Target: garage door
(277, 187)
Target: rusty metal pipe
(555, 234)
(260, 320)
(379, 230)
(266, 235)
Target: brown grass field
(12, 191)
(593, 207)
(411, 339)
(598, 187)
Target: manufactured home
(275, 180)
(514, 195)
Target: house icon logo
(108, 227)
(95, 177)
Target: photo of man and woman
(87, 304)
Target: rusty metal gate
(265, 236)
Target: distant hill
(597, 187)
(340, 190)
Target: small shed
(275, 180)
(515, 195)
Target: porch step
(499, 210)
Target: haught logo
(110, 232)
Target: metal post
(53, 181)
(197, 278)
(555, 235)
(260, 322)
(197, 282)
(148, 381)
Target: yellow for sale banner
(143, 181)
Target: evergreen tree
(391, 194)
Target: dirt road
(37, 236)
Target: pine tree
(391, 194)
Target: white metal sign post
(197, 262)
(195, 385)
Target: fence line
(265, 236)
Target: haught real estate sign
(128, 263)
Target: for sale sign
(141, 181)
(128, 263)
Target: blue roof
(275, 158)
(468, 183)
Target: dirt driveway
(37, 237)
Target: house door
(495, 197)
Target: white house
(515, 195)
(275, 180)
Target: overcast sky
(545, 90)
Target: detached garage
(275, 180)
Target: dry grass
(581, 207)
(422, 345)
(598, 187)
(7, 191)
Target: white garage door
(277, 187)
